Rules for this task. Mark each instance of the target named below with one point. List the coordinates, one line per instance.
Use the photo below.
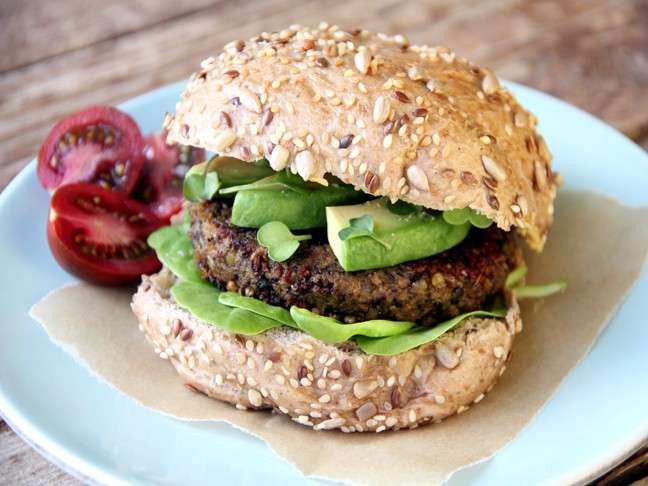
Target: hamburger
(349, 255)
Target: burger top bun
(416, 123)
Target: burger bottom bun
(325, 386)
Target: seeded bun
(415, 123)
(325, 386)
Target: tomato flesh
(160, 185)
(101, 145)
(100, 235)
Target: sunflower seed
(381, 109)
(305, 164)
(493, 168)
(417, 178)
(279, 157)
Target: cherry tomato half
(101, 145)
(100, 235)
(160, 185)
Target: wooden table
(56, 57)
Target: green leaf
(332, 331)
(361, 226)
(463, 215)
(193, 186)
(389, 346)
(201, 299)
(203, 181)
(280, 181)
(232, 299)
(515, 277)
(402, 208)
(211, 185)
(539, 291)
(279, 240)
(174, 249)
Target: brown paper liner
(597, 244)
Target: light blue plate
(597, 416)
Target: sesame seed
(305, 382)
(479, 398)
(241, 407)
(335, 374)
(331, 424)
(498, 351)
(251, 381)
(279, 379)
(440, 399)
(362, 61)
(412, 416)
(462, 409)
(324, 398)
(390, 422)
(321, 384)
(336, 387)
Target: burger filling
(261, 249)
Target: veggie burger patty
(462, 279)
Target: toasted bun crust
(416, 123)
(324, 386)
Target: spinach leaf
(279, 240)
(539, 291)
(515, 277)
(332, 331)
(201, 299)
(391, 345)
(232, 299)
(283, 180)
(362, 226)
(203, 181)
(174, 249)
(402, 208)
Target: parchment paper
(597, 244)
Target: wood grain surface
(56, 57)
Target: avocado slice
(400, 238)
(301, 206)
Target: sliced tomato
(160, 185)
(100, 235)
(101, 145)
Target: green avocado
(286, 198)
(383, 238)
